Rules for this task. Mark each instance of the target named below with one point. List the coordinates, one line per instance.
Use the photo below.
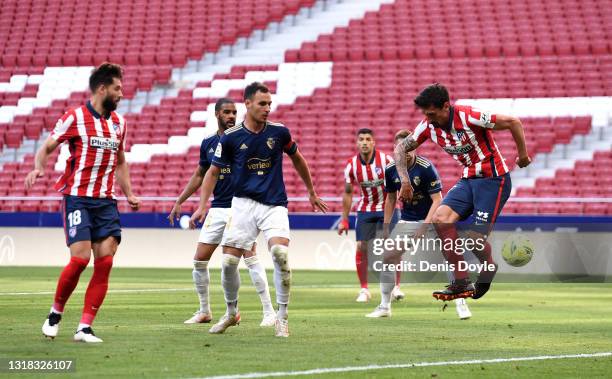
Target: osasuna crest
(378, 170)
(417, 180)
(72, 232)
(271, 142)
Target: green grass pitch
(144, 335)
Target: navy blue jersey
(257, 161)
(224, 190)
(425, 181)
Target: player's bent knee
(280, 255)
(230, 260)
(443, 215)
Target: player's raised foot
(483, 283)
(86, 335)
(225, 322)
(462, 309)
(268, 320)
(397, 294)
(281, 327)
(200, 318)
(51, 325)
(380, 311)
(364, 296)
(456, 290)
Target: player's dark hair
(104, 75)
(365, 131)
(401, 134)
(221, 102)
(253, 88)
(434, 94)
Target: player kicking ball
(254, 150)
(416, 216)
(467, 135)
(216, 220)
(96, 135)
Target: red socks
(361, 262)
(68, 280)
(449, 232)
(96, 290)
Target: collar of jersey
(94, 112)
(251, 132)
(371, 160)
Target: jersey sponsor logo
(373, 183)
(457, 150)
(243, 146)
(259, 165)
(271, 142)
(218, 150)
(103, 143)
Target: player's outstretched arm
(301, 166)
(123, 179)
(518, 134)
(40, 162)
(194, 183)
(208, 186)
(399, 154)
(389, 211)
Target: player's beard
(109, 104)
(226, 125)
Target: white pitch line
(320, 371)
(136, 290)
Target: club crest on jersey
(271, 142)
(462, 136)
(417, 180)
(378, 170)
(115, 127)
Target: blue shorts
(482, 198)
(368, 223)
(90, 219)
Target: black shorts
(90, 219)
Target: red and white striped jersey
(469, 139)
(94, 142)
(371, 178)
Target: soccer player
(216, 219)
(416, 216)
(466, 134)
(367, 169)
(96, 136)
(254, 149)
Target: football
(517, 251)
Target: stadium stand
(379, 63)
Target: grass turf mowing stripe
(332, 370)
(135, 290)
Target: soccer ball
(517, 251)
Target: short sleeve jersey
(256, 160)
(224, 190)
(425, 181)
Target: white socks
(201, 280)
(230, 278)
(387, 282)
(282, 278)
(260, 281)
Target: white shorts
(214, 226)
(249, 217)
